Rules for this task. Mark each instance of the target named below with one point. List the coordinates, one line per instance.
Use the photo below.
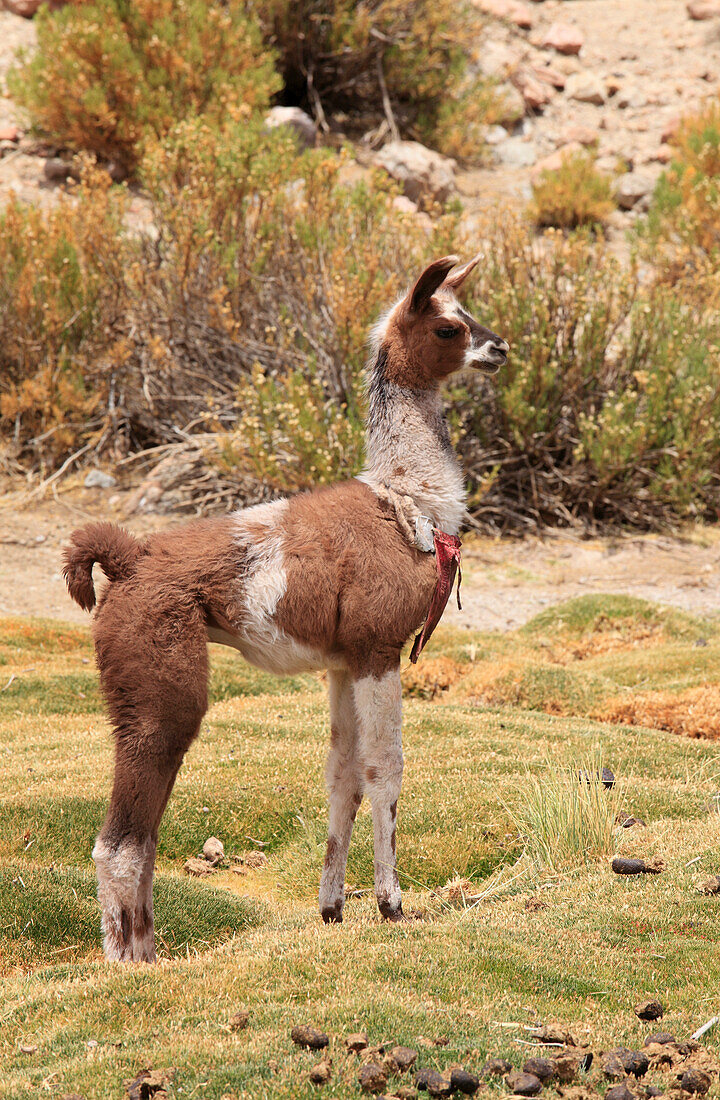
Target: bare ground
(505, 582)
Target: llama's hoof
(332, 914)
(390, 912)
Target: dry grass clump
(694, 712)
(572, 195)
(565, 816)
(431, 676)
(109, 75)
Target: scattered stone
(423, 173)
(97, 479)
(297, 120)
(628, 97)
(649, 1010)
(631, 188)
(630, 822)
(26, 8)
(463, 1081)
(320, 1073)
(583, 135)
(57, 170)
(516, 153)
(513, 10)
(564, 38)
(661, 1038)
(586, 87)
(437, 1084)
(620, 1092)
(703, 9)
(542, 1068)
(496, 59)
(495, 135)
(213, 850)
(612, 1066)
(510, 104)
(357, 1041)
(196, 868)
(150, 1083)
(710, 886)
(536, 93)
(554, 161)
(240, 1020)
(550, 76)
(9, 133)
(372, 1078)
(28, 1048)
(554, 1035)
(523, 1084)
(695, 1080)
(566, 1066)
(496, 1067)
(622, 865)
(404, 1058)
(309, 1037)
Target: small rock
(463, 1081)
(549, 75)
(554, 161)
(371, 1078)
(523, 1084)
(621, 865)
(309, 1037)
(297, 120)
(496, 1067)
(57, 170)
(404, 1057)
(513, 10)
(662, 1038)
(695, 1080)
(649, 1010)
(703, 9)
(651, 1091)
(213, 850)
(612, 1066)
(97, 479)
(542, 1068)
(9, 133)
(320, 1073)
(26, 8)
(606, 777)
(566, 1066)
(510, 104)
(710, 886)
(405, 205)
(564, 38)
(28, 1048)
(586, 87)
(554, 1035)
(437, 1084)
(631, 188)
(240, 1020)
(536, 94)
(516, 153)
(636, 1063)
(198, 867)
(629, 97)
(631, 822)
(422, 173)
(583, 135)
(620, 1092)
(496, 59)
(357, 1041)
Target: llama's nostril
(501, 345)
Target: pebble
(523, 1084)
(320, 1073)
(98, 479)
(703, 9)
(612, 1067)
(649, 1010)
(695, 1080)
(496, 1067)
(660, 1037)
(621, 865)
(404, 1057)
(372, 1078)
(358, 1040)
(637, 1063)
(585, 87)
(620, 1092)
(463, 1081)
(565, 38)
(542, 1068)
(240, 1020)
(309, 1037)
(437, 1085)
(213, 850)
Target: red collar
(447, 561)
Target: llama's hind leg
(153, 668)
(344, 783)
(378, 703)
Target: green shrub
(572, 195)
(108, 74)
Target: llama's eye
(446, 333)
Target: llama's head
(427, 336)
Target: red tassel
(447, 562)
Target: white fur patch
(259, 638)
(120, 872)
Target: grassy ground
(578, 945)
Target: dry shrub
(351, 60)
(431, 676)
(572, 195)
(109, 74)
(611, 636)
(608, 411)
(692, 713)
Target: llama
(335, 578)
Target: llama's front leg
(378, 703)
(344, 782)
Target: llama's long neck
(409, 450)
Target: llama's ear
(432, 277)
(456, 280)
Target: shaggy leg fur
(153, 668)
(378, 703)
(344, 782)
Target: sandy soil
(505, 582)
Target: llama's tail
(113, 548)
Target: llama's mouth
(490, 357)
